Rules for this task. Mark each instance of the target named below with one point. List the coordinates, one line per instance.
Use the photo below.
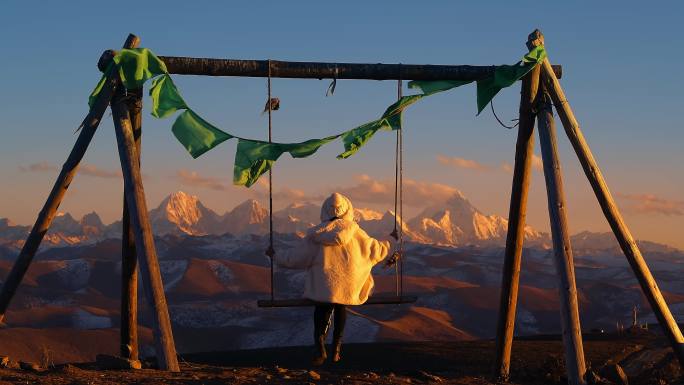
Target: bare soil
(645, 358)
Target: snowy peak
(250, 212)
(384, 225)
(458, 222)
(366, 215)
(184, 213)
(249, 217)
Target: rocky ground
(641, 358)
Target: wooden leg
(129, 261)
(612, 214)
(562, 250)
(524, 150)
(66, 175)
(144, 241)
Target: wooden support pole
(315, 70)
(524, 150)
(66, 175)
(129, 260)
(142, 230)
(612, 214)
(562, 249)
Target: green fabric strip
(196, 134)
(506, 76)
(429, 87)
(136, 66)
(98, 87)
(357, 137)
(166, 99)
(254, 158)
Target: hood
(337, 205)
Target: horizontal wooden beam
(316, 70)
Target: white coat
(338, 256)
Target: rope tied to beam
(491, 104)
(333, 84)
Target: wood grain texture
(129, 260)
(562, 249)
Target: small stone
(107, 362)
(314, 375)
(431, 377)
(4, 362)
(30, 366)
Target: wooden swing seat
(300, 302)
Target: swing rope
(401, 193)
(271, 251)
(398, 232)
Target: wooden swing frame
(538, 86)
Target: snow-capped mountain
(182, 213)
(456, 222)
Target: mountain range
(455, 222)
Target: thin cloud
(258, 191)
(457, 162)
(416, 193)
(39, 167)
(536, 163)
(287, 194)
(90, 170)
(651, 204)
(507, 167)
(192, 178)
(85, 169)
(471, 164)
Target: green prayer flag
(357, 137)
(506, 75)
(98, 88)
(429, 87)
(138, 65)
(253, 158)
(196, 134)
(166, 99)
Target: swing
(397, 257)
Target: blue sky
(621, 74)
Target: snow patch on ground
(82, 319)
(172, 272)
(75, 274)
(225, 275)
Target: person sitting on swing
(338, 256)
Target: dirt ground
(645, 358)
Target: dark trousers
(323, 312)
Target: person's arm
(377, 249)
